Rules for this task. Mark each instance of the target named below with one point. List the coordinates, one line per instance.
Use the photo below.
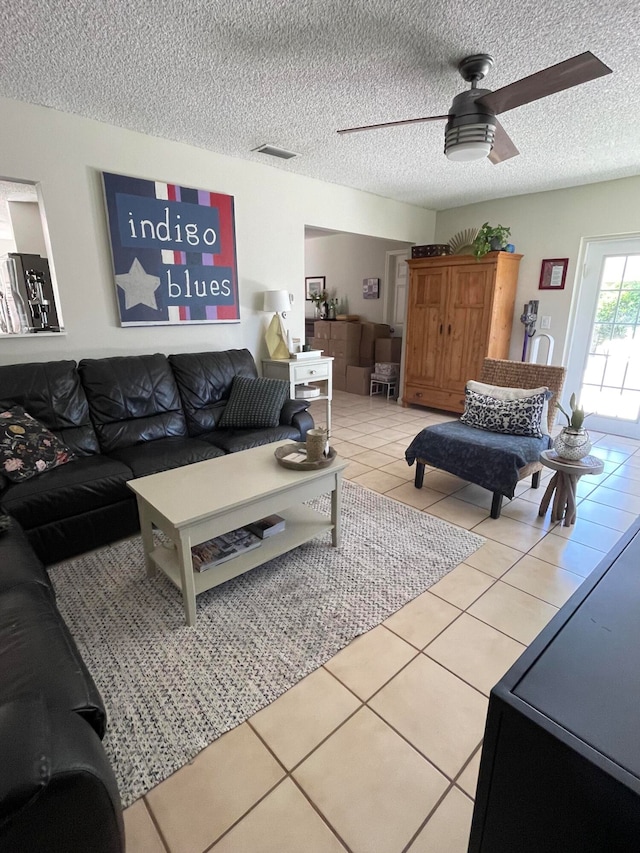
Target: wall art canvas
(174, 253)
(371, 288)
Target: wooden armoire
(459, 311)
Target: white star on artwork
(139, 287)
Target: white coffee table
(196, 502)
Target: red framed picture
(553, 274)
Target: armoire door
(425, 326)
(466, 323)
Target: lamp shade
(276, 300)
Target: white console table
(303, 371)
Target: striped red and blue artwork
(173, 251)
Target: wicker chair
(509, 374)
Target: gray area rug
(171, 690)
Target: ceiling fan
(472, 130)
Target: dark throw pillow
(512, 417)
(254, 403)
(27, 447)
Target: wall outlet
(545, 322)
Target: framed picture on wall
(173, 250)
(371, 288)
(553, 274)
(313, 286)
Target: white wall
(65, 155)
(345, 260)
(551, 225)
(27, 228)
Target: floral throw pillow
(27, 447)
(512, 417)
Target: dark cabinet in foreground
(560, 769)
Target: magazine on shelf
(218, 550)
(268, 526)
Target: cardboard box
(319, 343)
(322, 329)
(350, 332)
(358, 380)
(366, 362)
(339, 369)
(340, 384)
(370, 333)
(345, 350)
(388, 349)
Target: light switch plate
(545, 322)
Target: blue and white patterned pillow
(511, 417)
(254, 403)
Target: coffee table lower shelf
(302, 524)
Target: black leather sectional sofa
(58, 793)
(122, 417)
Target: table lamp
(277, 338)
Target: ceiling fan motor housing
(471, 129)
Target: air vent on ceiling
(282, 153)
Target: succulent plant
(576, 419)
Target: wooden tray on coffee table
(281, 454)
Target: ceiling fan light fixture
(467, 142)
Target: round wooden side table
(564, 483)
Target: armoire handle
(440, 328)
(449, 329)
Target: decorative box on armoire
(459, 311)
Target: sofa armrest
(57, 788)
(304, 422)
(290, 409)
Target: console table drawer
(310, 371)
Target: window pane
(628, 306)
(607, 304)
(594, 371)
(611, 402)
(632, 271)
(612, 272)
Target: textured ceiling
(230, 75)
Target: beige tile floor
(378, 750)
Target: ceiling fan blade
(503, 147)
(393, 123)
(556, 78)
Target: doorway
(604, 361)
(395, 294)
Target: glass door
(605, 351)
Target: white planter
(572, 444)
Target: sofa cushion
(233, 440)
(19, 563)
(51, 392)
(204, 380)
(254, 403)
(153, 456)
(510, 417)
(38, 655)
(27, 447)
(132, 399)
(85, 484)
